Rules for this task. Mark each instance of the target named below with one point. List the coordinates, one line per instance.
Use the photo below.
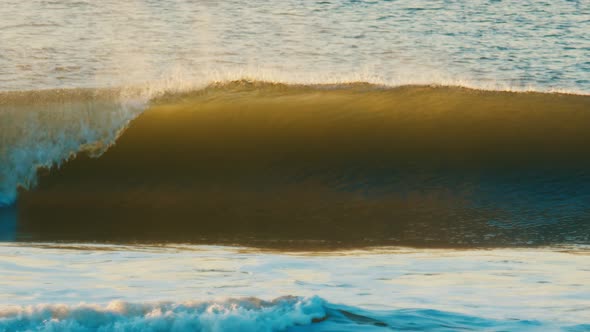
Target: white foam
(422, 289)
(46, 134)
(226, 315)
(180, 79)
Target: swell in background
(493, 44)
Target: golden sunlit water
(296, 165)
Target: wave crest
(295, 314)
(228, 315)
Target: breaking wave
(414, 163)
(230, 315)
(250, 314)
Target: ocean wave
(497, 167)
(249, 314)
(228, 315)
(41, 129)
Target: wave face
(251, 314)
(251, 161)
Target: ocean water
(519, 44)
(82, 287)
(73, 74)
(196, 165)
(284, 166)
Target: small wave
(228, 315)
(248, 314)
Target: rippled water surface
(519, 44)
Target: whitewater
(83, 287)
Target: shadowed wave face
(350, 165)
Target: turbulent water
(294, 126)
(130, 288)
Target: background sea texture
(327, 131)
(541, 45)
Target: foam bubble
(227, 315)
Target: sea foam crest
(229, 315)
(44, 128)
(44, 133)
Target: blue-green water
(81, 287)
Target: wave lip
(46, 128)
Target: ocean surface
(196, 165)
(208, 288)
